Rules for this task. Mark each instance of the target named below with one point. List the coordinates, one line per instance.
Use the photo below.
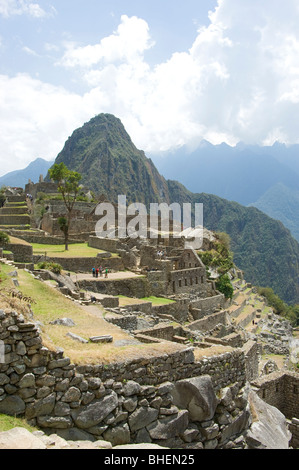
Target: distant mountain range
(263, 248)
(264, 177)
(19, 178)
(267, 177)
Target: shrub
(4, 238)
(50, 266)
(225, 286)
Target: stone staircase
(246, 308)
(14, 214)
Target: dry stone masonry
(172, 401)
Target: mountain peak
(103, 152)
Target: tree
(68, 186)
(224, 286)
(2, 196)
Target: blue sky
(174, 72)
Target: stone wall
(132, 287)
(252, 352)
(42, 239)
(210, 321)
(109, 244)
(78, 225)
(18, 219)
(178, 310)
(84, 265)
(294, 429)
(209, 304)
(22, 253)
(191, 280)
(139, 400)
(13, 210)
(42, 187)
(280, 389)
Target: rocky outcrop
(80, 403)
(269, 428)
(197, 395)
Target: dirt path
(111, 276)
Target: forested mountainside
(110, 164)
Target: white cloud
(239, 81)
(20, 7)
(30, 51)
(127, 44)
(35, 120)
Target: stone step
(13, 210)
(14, 220)
(14, 227)
(19, 198)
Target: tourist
(93, 272)
(101, 271)
(97, 272)
(106, 272)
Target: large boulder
(196, 395)
(93, 414)
(12, 405)
(20, 438)
(269, 428)
(169, 427)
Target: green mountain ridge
(110, 164)
(281, 202)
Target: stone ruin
(171, 401)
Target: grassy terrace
(50, 304)
(10, 422)
(123, 300)
(76, 250)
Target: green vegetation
(291, 312)
(75, 250)
(158, 300)
(10, 422)
(263, 248)
(2, 196)
(224, 286)
(68, 187)
(4, 238)
(110, 164)
(54, 267)
(219, 257)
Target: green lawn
(76, 250)
(158, 300)
(123, 300)
(10, 422)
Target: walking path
(111, 276)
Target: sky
(175, 72)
